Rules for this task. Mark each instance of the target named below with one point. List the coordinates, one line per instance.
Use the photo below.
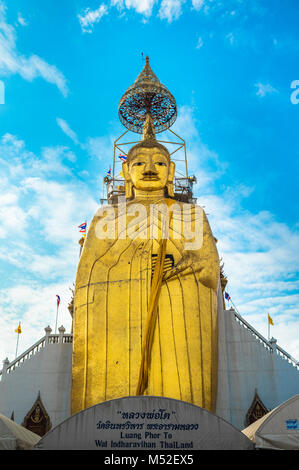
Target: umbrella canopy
(278, 429)
(15, 437)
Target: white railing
(267, 344)
(47, 339)
(281, 352)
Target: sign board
(144, 423)
(292, 424)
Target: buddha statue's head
(148, 167)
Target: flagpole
(234, 305)
(17, 346)
(83, 236)
(17, 343)
(268, 330)
(56, 318)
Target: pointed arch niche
(256, 411)
(37, 419)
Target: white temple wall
(249, 365)
(47, 371)
(245, 365)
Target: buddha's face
(149, 169)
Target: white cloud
(22, 20)
(18, 162)
(231, 38)
(67, 130)
(59, 226)
(16, 143)
(186, 124)
(100, 147)
(12, 62)
(13, 219)
(187, 127)
(144, 7)
(38, 306)
(260, 259)
(90, 17)
(199, 43)
(40, 210)
(35, 191)
(265, 89)
(198, 4)
(170, 9)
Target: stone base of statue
(145, 423)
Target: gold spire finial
(147, 76)
(148, 129)
(147, 95)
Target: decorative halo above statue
(147, 95)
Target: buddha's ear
(170, 179)
(128, 181)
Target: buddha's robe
(111, 303)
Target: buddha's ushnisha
(145, 316)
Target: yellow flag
(121, 174)
(18, 330)
(270, 321)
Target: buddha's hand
(183, 266)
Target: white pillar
(273, 343)
(48, 330)
(61, 333)
(5, 366)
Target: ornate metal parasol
(147, 95)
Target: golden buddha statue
(145, 319)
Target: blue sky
(230, 65)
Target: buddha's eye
(138, 164)
(161, 163)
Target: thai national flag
(82, 227)
(123, 158)
(227, 296)
(58, 300)
(109, 172)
